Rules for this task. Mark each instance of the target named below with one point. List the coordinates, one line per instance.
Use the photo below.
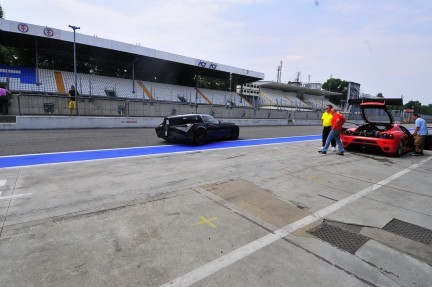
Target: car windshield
(376, 115)
(184, 120)
(210, 119)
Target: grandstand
(280, 98)
(24, 79)
(52, 45)
(142, 73)
(58, 82)
(317, 102)
(216, 97)
(168, 92)
(288, 96)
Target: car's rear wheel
(200, 137)
(234, 133)
(400, 149)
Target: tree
(419, 108)
(1, 12)
(336, 85)
(415, 105)
(380, 95)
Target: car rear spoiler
(391, 102)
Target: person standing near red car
(326, 123)
(336, 128)
(420, 133)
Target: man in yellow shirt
(326, 119)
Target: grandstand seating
(172, 93)
(281, 99)
(317, 102)
(93, 85)
(223, 98)
(26, 79)
(21, 79)
(23, 74)
(58, 82)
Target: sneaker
(340, 153)
(333, 149)
(320, 148)
(415, 154)
(323, 152)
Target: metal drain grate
(339, 237)
(410, 231)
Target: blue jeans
(336, 135)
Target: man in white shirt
(420, 133)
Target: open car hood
(376, 113)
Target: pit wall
(51, 112)
(24, 104)
(71, 122)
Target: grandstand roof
(294, 88)
(59, 42)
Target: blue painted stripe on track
(74, 156)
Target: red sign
(48, 32)
(23, 27)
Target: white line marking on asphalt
(240, 253)
(2, 183)
(15, 196)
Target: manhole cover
(339, 237)
(410, 231)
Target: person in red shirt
(336, 128)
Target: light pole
(74, 28)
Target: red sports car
(379, 132)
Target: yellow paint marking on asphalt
(204, 220)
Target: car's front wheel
(234, 133)
(200, 137)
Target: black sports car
(196, 129)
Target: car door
(212, 126)
(224, 130)
(213, 131)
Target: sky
(384, 45)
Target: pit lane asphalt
(207, 218)
(15, 142)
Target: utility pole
(74, 28)
(279, 73)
